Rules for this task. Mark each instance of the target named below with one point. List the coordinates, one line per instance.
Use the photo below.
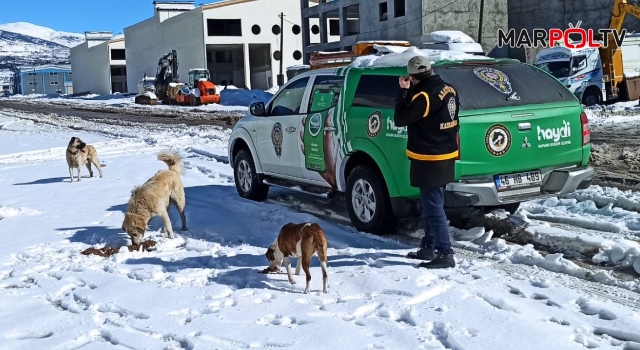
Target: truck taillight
(586, 131)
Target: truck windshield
(559, 69)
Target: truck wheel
(193, 100)
(368, 202)
(590, 98)
(246, 178)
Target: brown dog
(153, 199)
(300, 241)
(79, 154)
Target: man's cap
(418, 64)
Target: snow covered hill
(27, 44)
(39, 32)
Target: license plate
(507, 182)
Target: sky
(78, 16)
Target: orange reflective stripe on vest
(426, 112)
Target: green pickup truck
(523, 136)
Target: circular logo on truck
(497, 140)
(314, 124)
(374, 124)
(276, 138)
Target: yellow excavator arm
(611, 55)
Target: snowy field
(231, 99)
(203, 289)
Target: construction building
(238, 41)
(99, 64)
(46, 79)
(338, 25)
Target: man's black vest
(434, 136)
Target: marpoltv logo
(556, 37)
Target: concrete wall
(464, 15)
(142, 51)
(90, 67)
(263, 13)
(149, 40)
(594, 14)
(370, 22)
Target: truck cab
(580, 70)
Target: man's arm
(410, 109)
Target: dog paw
(292, 281)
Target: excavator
(611, 56)
(169, 90)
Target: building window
(275, 29)
(297, 55)
(276, 55)
(54, 83)
(383, 11)
(30, 83)
(53, 73)
(255, 29)
(398, 8)
(224, 27)
(334, 27)
(117, 54)
(31, 73)
(315, 29)
(295, 29)
(69, 73)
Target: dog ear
(73, 139)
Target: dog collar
(76, 152)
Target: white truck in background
(581, 70)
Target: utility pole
(480, 22)
(281, 76)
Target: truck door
(277, 144)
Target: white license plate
(507, 182)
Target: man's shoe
(422, 254)
(442, 261)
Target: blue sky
(80, 15)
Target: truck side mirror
(257, 109)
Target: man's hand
(405, 82)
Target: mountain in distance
(26, 44)
(39, 32)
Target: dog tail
(173, 160)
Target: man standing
(429, 110)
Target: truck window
(289, 99)
(376, 91)
(578, 63)
(326, 83)
(490, 86)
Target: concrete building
(46, 80)
(546, 14)
(99, 64)
(339, 24)
(238, 41)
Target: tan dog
(79, 154)
(153, 199)
(301, 241)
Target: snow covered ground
(202, 290)
(232, 99)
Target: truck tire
(590, 97)
(246, 178)
(368, 202)
(193, 101)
